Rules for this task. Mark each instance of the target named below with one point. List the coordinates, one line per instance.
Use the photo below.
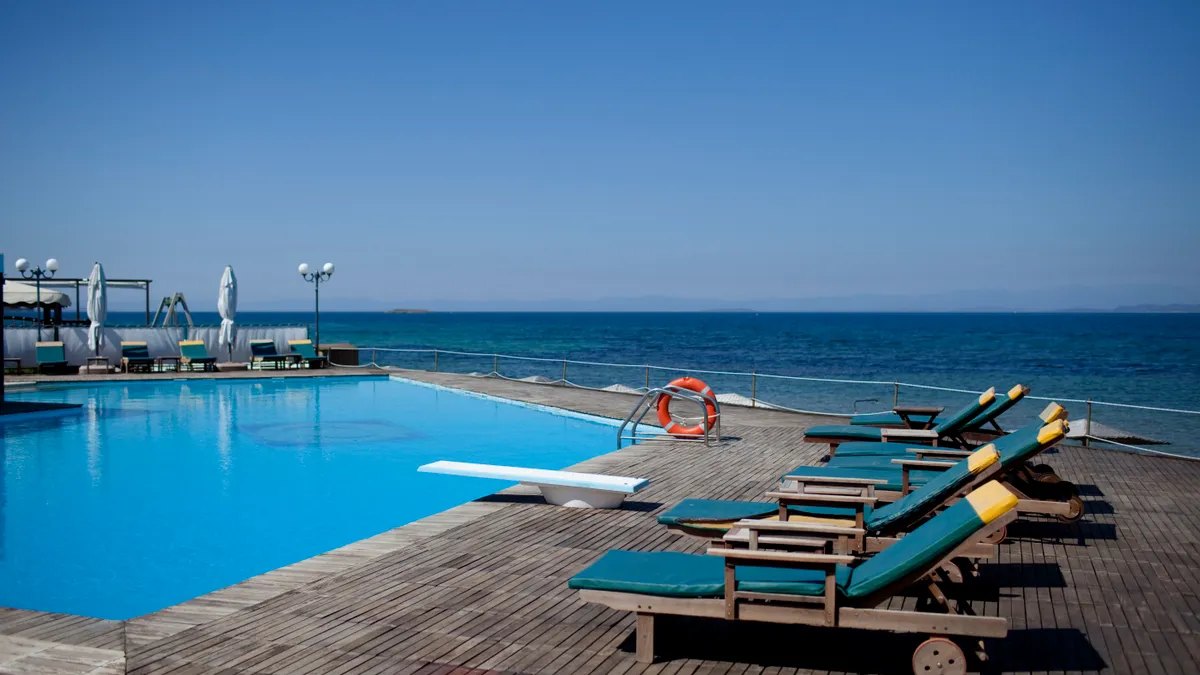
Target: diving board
(561, 488)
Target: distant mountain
(1175, 308)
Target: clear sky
(531, 150)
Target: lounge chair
(822, 514)
(304, 348)
(135, 357)
(263, 352)
(913, 418)
(51, 357)
(1052, 412)
(948, 432)
(193, 353)
(816, 589)
(857, 492)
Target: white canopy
(17, 294)
(97, 308)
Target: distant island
(408, 311)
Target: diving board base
(579, 498)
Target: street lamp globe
(52, 264)
(304, 269)
(327, 269)
(22, 264)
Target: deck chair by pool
(948, 432)
(51, 357)
(193, 353)
(263, 352)
(857, 522)
(135, 357)
(911, 418)
(816, 589)
(1052, 412)
(304, 348)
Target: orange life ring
(664, 408)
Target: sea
(1137, 359)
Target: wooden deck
(482, 588)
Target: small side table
(928, 412)
(162, 361)
(12, 359)
(97, 360)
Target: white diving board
(561, 488)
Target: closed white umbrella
(227, 306)
(97, 308)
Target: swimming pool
(158, 492)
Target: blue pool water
(162, 491)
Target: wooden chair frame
(826, 610)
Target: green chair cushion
(845, 431)
(53, 354)
(699, 511)
(305, 349)
(194, 352)
(866, 449)
(886, 420)
(959, 421)
(135, 352)
(916, 550)
(687, 575)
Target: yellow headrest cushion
(987, 397)
(262, 340)
(1052, 433)
(1017, 392)
(191, 342)
(133, 343)
(982, 458)
(991, 501)
(56, 343)
(1053, 412)
(299, 342)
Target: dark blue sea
(1144, 359)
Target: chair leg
(645, 638)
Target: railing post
(564, 378)
(1087, 426)
(435, 357)
(647, 378)
(374, 360)
(496, 363)
(895, 393)
(754, 388)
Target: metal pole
(895, 393)
(374, 361)
(1087, 429)
(317, 293)
(564, 371)
(76, 300)
(41, 311)
(148, 310)
(647, 378)
(754, 388)
(496, 363)
(435, 357)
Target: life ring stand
(664, 408)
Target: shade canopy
(227, 307)
(97, 307)
(17, 294)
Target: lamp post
(316, 278)
(37, 274)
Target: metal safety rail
(649, 401)
(1182, 426)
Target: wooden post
(1087, 426)
(754, 388)
(645, 638)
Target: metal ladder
(649, 401)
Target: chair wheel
(939, 655)
(997, 537)
(1070, 494)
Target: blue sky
(532, 150)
